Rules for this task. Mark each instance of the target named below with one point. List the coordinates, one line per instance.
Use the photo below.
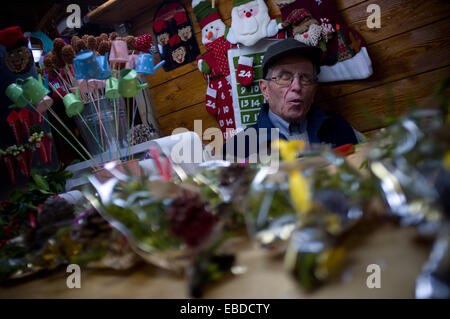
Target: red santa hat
(12, 37)
(204, 12)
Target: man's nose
(296, 85)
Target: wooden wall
(410, 55)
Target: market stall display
(313, 211)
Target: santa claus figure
(250, 22)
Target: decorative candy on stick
(104, 47)
(25, 118)
(36, 140)
(14, 122)
(58, 45)
(19, 153)
(104, 37)
(73, 42)
(80, 45)
(98, 40)
(48, 62)
(9, 163)
(47, 144)
(131, 43)
(113, 35)
(85, 38)
(68, 54)
(91, 43)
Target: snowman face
(212, 31)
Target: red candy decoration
(14, 122)
(144, 43)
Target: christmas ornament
(174, 34)
(250, 22)
(214, 66)
(315, 23)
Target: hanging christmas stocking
(245, 70)
(211, 96)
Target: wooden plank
(418, 87)
(117, 11)
(185, 118)
(344, 4)
(397, 16)
(410, 53)
(174, 95)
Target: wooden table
(394, 249)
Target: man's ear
(264, 87)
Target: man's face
(293, 102)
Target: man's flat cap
(287, 47)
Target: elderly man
(289, 85)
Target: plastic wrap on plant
(407, 162)
(134, 210)
(312, 257)
(434, 281)
(270, 215)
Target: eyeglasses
(285, 79)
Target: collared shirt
(289, 130)
(321, 126)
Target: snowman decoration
(214, 66)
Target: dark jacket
(323, 127)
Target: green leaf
(41, 183)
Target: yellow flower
(298, 185)
(289, 149)
(300, 192)
(447, 160)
